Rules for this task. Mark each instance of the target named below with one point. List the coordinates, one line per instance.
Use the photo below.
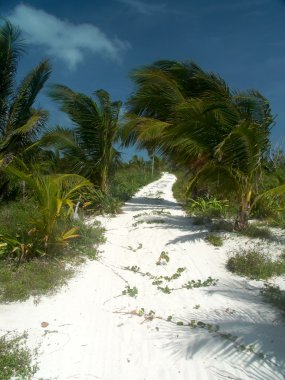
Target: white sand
(86, 339)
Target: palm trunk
(243, 215)
(103, 180)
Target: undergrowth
(16, 360)
(33, 278)
(255, 232)
(255, 265)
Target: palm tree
(19, 121)
(89, 146)
(194, 118)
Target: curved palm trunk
(241, 221)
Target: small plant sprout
(165, 290)
(200, 284)
(134, 268)
(132, 292)
(135, 249)
(163, 258)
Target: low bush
(207, 207)
(90, 236)
(255, 265)
(16, 360)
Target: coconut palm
(89, 146)
(19, 121)
(195, 119)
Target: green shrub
(17, 216)
(207, 207)
(94, 201)
(255, 265)
(90, 235)
(215, 240)
(15, 358)
(45, 275)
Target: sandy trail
(88, 339)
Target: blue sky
(95, 44)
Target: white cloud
(62, 39)
(143, 8)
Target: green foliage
(255, 232)
(180, 186)
(274, 295)
(207, 207)
(95, 201)
(278, 220)
(164, 289)
(19, 121)
(89, 146)
(132, 292)
(163, 258)
(128, 180)
(54, 196)
(90, 236)
(215, 240)
(47, 274)
(33, 278)
(200, 284)
(255, 265)
(16, 359)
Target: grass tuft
(257, 232)
(255, 265)
(215, 240)
(33, 278)
(15, 359)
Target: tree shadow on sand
(147, 203)
(223, 357)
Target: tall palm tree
(89, 146)
(194, 118)
(19, 121)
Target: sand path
(90, 337)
